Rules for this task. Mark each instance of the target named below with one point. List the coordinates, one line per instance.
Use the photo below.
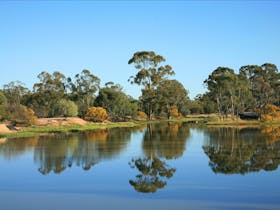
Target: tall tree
(14, 92)
(116, 102)
(151, 73)
(3, 106)
(222, 84)
(47, 92)
(171, 93)
(83, 90)
(264, 83)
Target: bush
(141, 116)
(174, 113)
(66, 108)
(22, 115)
(96, 114)
(270, 113)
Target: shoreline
(37, 130)
(49, 129)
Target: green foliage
(66, 108)
(47, 92)
(150, 74)
(21, 115)
(14, 92)
(96, 114)
(229, 91)
(3, 99)
(171, 93)
(195, 107)
(83, 90)
(3, 106)
(116, 102)
(264, 83)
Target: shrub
(141, 116)
(270, 113)
(96, 114)
(66, 108)
(174, 113)
(22, 115)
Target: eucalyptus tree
(46, 93)
(83, 90)
(150, 74)
(273, 77)
(203, 103)
(3, 106)
(116, 102)
(222, 84)
(244, 96)
(3, 99)
(171, 93)
(264, 83)
(14, 92)
(12, 109)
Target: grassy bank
(39, 130)
(208, 120)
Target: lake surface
(159, 166)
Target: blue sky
(194, 37)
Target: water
(159, 166)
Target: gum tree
(150, 74)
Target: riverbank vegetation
(254, 89)
(65, 125)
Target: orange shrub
(22, 115)
(270, 113)
(141, 115)
(96, 114)
(174, 113)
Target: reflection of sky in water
(193, 184)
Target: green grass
(39, 130)
(207, 120)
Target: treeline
(253, 89)
(56, 95)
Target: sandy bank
(4, 129)
(60, 121)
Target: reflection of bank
(13, 148)
(57, 152)
(3, 140)
(161, 142)
(240, 151)
(166, 140)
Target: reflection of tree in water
(116, 140)
(56, 153)
(160, 142)
(13, 148)
(166, 140)
(240, 151)
(153, 174)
